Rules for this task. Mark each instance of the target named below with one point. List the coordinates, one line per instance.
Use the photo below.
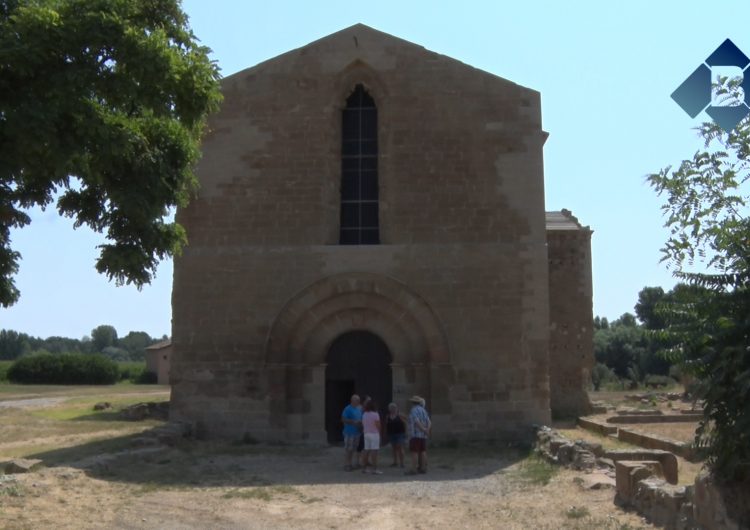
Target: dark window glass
(349, 236)
(369, 215)
(350, 214)
(368, 148)
(369, 184)
(349, 187)
(370, 237)
(359, 171)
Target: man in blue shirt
(352, 420)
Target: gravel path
(32, 403)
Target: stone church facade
(371, 218)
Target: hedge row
(65, 369)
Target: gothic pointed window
(359, 171)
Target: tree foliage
(103, 336)
(102, 106)
(706, 207)
(131, 347)
(645, 308)
(628, 350)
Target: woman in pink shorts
(371, 428)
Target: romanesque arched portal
(304, 331)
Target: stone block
(628, 473)
(20, 465)
(667, 460)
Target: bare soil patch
(96, 478)
(208, 485)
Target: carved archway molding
(308, 323)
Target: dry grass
(69, 422)
(681, 432)
(99, 481)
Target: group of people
(363, 431)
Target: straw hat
(417, 399)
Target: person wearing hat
(419, 430)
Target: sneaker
(410, 472)
(376, 472)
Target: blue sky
(605, 71)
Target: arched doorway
(357, 362)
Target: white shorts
(372, 441)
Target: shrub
(4, 366)
(602, 374)
(655, 381)
(64, 369)
(130, 370)
(145, 378)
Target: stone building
(158, 360)
(371, 218)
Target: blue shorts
(397, 439)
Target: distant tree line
(630, 351)
(103, 339)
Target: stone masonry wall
(571, 320)
(462, 228)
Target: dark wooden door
(358, 362)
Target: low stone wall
(667, 461)
(596, 426)
(559, 450)
(642, 480)
(655, 418)
(652, 441)
(698, 506)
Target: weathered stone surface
(628, 411)
(596, 426)
(629, 473)
(599, 408)
(20, 465)
(714, 508)
(667, 460)
(470, 291)
(655, 418)
(660, 502)
(592, 447)
(597, 481)
(560, 450)
(142, 411)
(655, 442)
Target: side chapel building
(371, 218)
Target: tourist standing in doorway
(361, 455)
(419, 431)
(351, 417)
(395, 430)
(371, 427)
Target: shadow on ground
(195, 463)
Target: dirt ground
(95, 477)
